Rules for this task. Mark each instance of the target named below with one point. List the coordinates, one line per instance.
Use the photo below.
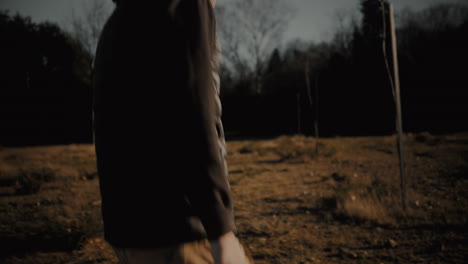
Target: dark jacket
(157, 129)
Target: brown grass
(292, 204)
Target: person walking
(158, 136)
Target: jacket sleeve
(207, 189)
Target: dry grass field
(292, 205)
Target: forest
(341, 86)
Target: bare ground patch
(293, 204)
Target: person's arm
(209, 193)
(207, 188)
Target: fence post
(399, 125)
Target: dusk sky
(314, 20)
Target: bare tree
(346, 25)
(249, 31)
(436, 17)
(86, 26)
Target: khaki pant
(196, 252)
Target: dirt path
(291, 205)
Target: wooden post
(399, 125)
(311, 100)
(316, 127)
(298, 102)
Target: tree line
(344, 84)
(45, 93)
(267, 89)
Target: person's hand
(227, 250)
(213, 2)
